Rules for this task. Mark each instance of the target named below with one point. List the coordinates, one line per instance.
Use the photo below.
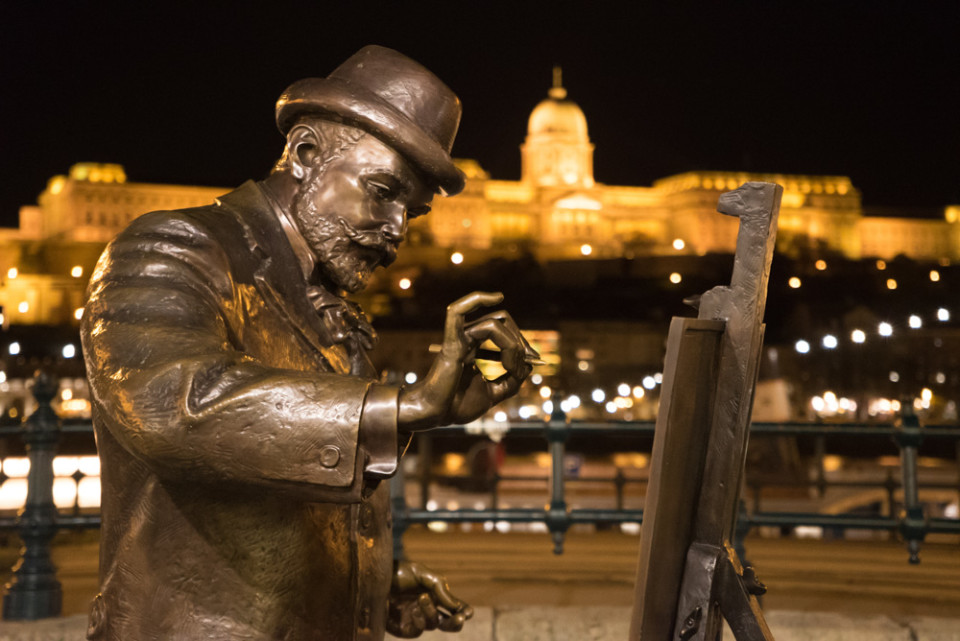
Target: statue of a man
(243, 433)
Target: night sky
(184, 93)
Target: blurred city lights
(526, 412)
(456, 258)
(583, 366)
(678, 244)
(675, 278)
(794, 282)
(941, 378)
(14, 348)
(536, 379)
(934, 275)
(623, 389)
(821, 265)
(545, 392)
(23, 307)
(12, 272)
(69, 350)
(573, 401)
(638, 392)
(802, 346)
(500, 416)
(598, 395)
(926, 394)
(894, 377)
(649, 382)
(891, 283)
(410, 378)
(658, 378)
(858, 336)
(943, 314)
(611, 407)
(76, 271)
(547, 407)
(405, 283)
(78, 313)
(915, 322)
(881, 265)
(829, 342)
(586, 249)
(885, 329)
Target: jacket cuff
(378, 431)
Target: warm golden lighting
(881, 265)
(23, 307)
(630, 459)
(675, 278)
(821, 265)
(891, 283)
(78, 313)
(794, 282)
(456, 258)
(12, 272)
(405, 283)
(832, 463)
(678, 244)
(77, 271)
(934, 275)
(453, 462)
(586, 249)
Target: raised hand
(454, 391)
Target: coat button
(329, 455)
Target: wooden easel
(689, 576)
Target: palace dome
(558, 118)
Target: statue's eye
(381, 191)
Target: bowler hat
(388, 95)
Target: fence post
(913, 523)
(557, 431)
(34, 591)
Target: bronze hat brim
(351, 104)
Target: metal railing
(35, 592)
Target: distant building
(555, 211)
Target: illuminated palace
(556, 211)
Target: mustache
(376, 239)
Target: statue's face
(353, 210)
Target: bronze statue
(242, 430)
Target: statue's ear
(302, 149)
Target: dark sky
(184, 93)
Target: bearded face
(351, 208)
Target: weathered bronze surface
(688, 574)
(242, 430)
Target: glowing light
(821, 265)
(943, 314)
(611, 407)
(78, 313)
(526, 411)
(832, 463)
(586, 249)
(12, 272)
(891, 283)
(23, 307)
(69, 350)
(829, 342)
(881, 265)
(410, 378)
(678, 244)
(894, 377)
(76, 271)
(915, 322)
(649, 382)
(536, 379)
(13, 494)
(858, 336)
(638, 392)
(545, 392)
(456, 258)
(90, 465)
(926, 394)
(622, 402)
(941, 378)
(64, 492)
(658, 378)
(405, 283)
(598, 395)
(885, 329)
(3, 376)
(934, 275)
(817, 404)
(574, 401)
(794, 282)
(675, 278)
(16, 467)
(547, 407)
(623, 389)
(14, 348)
(500, 417)
(66, 395)
(583, 366)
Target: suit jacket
(241, 448)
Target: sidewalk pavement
(595, 624)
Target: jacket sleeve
(173, 385)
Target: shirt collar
(298, 243)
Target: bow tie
(344, 319)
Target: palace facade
(556, 211)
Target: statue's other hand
(420, 599)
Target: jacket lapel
(277, 274)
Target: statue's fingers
(417, 622)
(460, 307)
(454, 622)
(431, 614)
(510, 345)
(507, 385)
